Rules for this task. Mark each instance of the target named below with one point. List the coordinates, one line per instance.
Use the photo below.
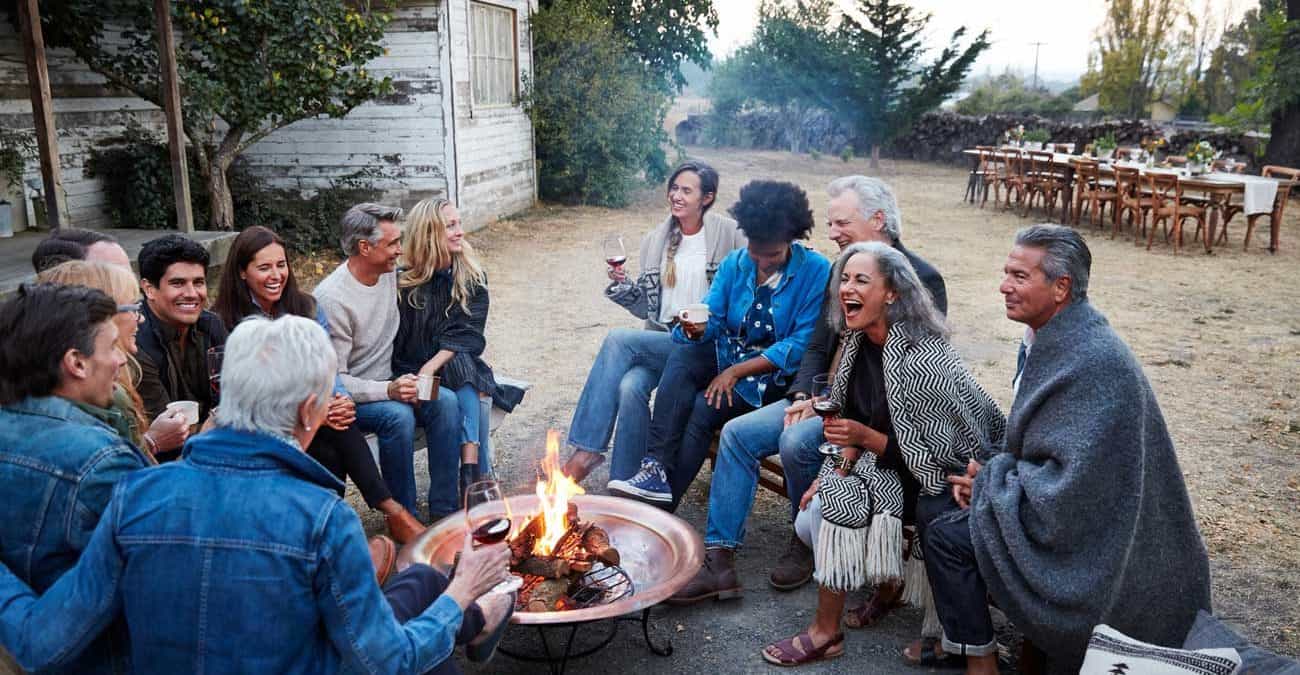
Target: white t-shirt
(692, 285)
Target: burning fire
(553, 493)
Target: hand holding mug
(694, 320)
(403, 389)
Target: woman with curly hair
(763, 306)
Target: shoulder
(211, 324)
(923, 268)
(719, 221)
(810, 258)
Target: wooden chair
(1169, 209)
(1061, 148)
(985, 173)
(1089, 186)
(1011, 176)
(1279, 204)
(1222, 165)
(1131, 200)
(1176, 160)
(1046, 179)
(1127, 152)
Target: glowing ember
(553, 493)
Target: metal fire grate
(602, 585)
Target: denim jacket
(241, 557)
(58, 465)
(796, 304)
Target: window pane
(493, 54)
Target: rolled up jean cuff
(720, 543)
(577, 446)
(950, 647)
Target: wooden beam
(171, 94)
(38, 80)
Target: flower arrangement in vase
(1015, 136)
(1105, 146)
(1037, 139)
(1199, 157)
(1150, 146)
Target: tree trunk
(220, 201)
(875, 156)
(1284, 135)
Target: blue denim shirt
(241, 557)
(58, 465)
(796, 304)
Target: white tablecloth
(1259, 193)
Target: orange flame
(553, 495)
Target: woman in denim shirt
(257, 280)
(678, 261)
(243, 556)
(763, 306)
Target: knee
(731, 443)
(633, 389)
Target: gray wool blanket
(1085, 518)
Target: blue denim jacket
(796, 304)
(241, 557)
(58, 465)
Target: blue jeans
(618, 390)
(475, 420)
(394, 423)
(412, 590)
(746, 440)
(960, 595)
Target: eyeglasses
(133, 308)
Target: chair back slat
(1126, 180)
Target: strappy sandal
(799, 650)
(871, 612)
(931, 657)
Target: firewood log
(543, 566)
(521, 546)
(596, 541)
(547, 594)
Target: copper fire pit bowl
(660, 552)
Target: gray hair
(362, 222)
(873, 195)
(1065, 252)
(270, 368)
(913, 309)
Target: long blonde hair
(121, 285)
(424, 252)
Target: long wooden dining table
(1217, 190)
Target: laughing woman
(257, 280)
(443, 301)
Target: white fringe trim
(916, 585)
(885, 549)
(930, 626)
(841, 557)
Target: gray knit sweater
(1085, 519)
(363, 323)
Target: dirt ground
(1219, 337)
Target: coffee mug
(426, 387)
(697, 313)
(190, 409)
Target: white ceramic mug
(697, 313)
(426, 387)
(190, 409)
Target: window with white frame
(493, 55)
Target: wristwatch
(798, 396)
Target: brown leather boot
(383, 554)
(403, 527)
(581, 463)
(716, 579)
(795, 567)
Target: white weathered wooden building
(452, 127)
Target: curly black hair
(163, 252)
(772, 211)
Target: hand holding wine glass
(826, 408)
(487, 515)
(615, 256)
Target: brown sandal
(873, 610)
(806, 653)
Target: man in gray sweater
(359, 302)
(1084, 519)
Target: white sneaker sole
(623, 488)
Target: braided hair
(708, 186)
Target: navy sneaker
(649, 484)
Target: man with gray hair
(861, 209)
(359, 300)
(1084, 518)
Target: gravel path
(1219, 336)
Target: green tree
(597, 109)
(1008, 93)
(246, 68)
(880, 85)
(1137, 55)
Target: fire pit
(599, 559)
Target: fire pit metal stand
(558, 659)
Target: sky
(1066, 27)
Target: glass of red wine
(215, 357)
(615, 252)
(826, 408)
(487, 513)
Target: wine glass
(215, 356)
(615, 252)
(487, 513)
(826, 408)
